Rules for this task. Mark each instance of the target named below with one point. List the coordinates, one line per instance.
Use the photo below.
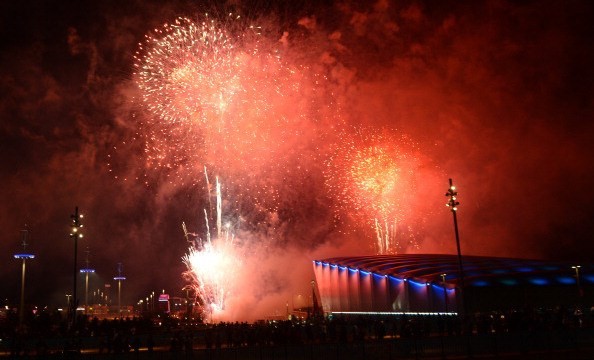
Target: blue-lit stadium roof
(478, 270)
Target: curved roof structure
(479, 271)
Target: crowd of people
(47, 331)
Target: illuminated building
(430, 284)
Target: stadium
(425, 283)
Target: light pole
(119, 279)
(86, 271)
(314, 302)
(189, 304)
(75, 234)
(23, 256)
(445, 291)
(107, 294)
(453, 203)
(577, 279)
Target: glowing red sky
(495, 94)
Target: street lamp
(445, 291)
(86, 271)
(453, 203)
(23, 256)
(314, 301)
(75, 234)
(107, 294)
(577, 279)
(119, 279)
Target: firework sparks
(377, 176)
(219, 93)
(209, 262)
(217, 88)
(187, 72)
(209, 273)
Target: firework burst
(219, 88)
(209, 273)
(188, 71)
(211, 262)
(219, 93)
(379, 176)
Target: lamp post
(23, 256)
(189, 301)
(314, 300)
(86, 271)
(119, 279)
(577, 279)
(107, 294)
(445, 291)
(453, 203)
(75, 234)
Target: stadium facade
(420, 283)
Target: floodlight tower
(86, 271)
(24, 256)
(75, 234)
(453, 203)
(119, 279)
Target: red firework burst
(381, 177)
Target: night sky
(497, 95)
